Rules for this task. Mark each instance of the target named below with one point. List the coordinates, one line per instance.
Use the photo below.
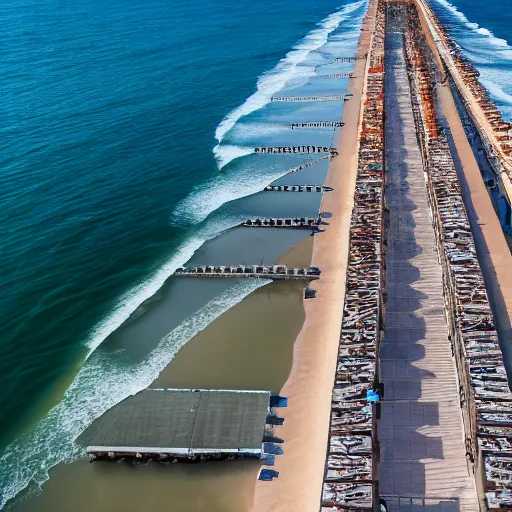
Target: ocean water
(483, 32)
(126, 137)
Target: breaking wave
(491, 55)
(496, 41)
(99, 385)
(288, 68)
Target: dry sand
(492, 248)
(493, 251)
(248, 347)
(309, 386)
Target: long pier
(251, 271)
(440, 346)
(420, 429)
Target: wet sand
(309, 386)
(110, 487)
(248, 347)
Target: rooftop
(178, 420)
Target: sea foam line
(100, 384)
(274, 80)
(494, 78)
(250, 178)
(495, 41)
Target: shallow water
(118, 164)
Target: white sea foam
(475, 27)
(131, 300)
(225, 153)
(288, 68)
(99, 385)
(248, 179)
(496, 91)
(493, 53)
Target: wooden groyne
(250, 271)
(296, 149)
(333, 76)
(317, 124)
(283, 222)
(306, 165)
(298, 188)
(351, 471)
(303, 99)
(338, 60)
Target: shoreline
(309, 386)
(235, 336)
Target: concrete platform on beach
(423, 462)
(181, 423)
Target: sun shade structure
(181, 423)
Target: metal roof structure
(181, 422)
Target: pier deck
(423, 463)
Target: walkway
(423, 464)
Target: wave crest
(288, 67)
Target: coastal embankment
(309, 386)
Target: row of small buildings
(351, 480)
(485, 397)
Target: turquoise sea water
(125, 133)
(482, 29)
(125, 137)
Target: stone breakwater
(350, 480)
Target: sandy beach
(236, 351)
(493, 251)
(310, 383)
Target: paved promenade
(423, 463)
